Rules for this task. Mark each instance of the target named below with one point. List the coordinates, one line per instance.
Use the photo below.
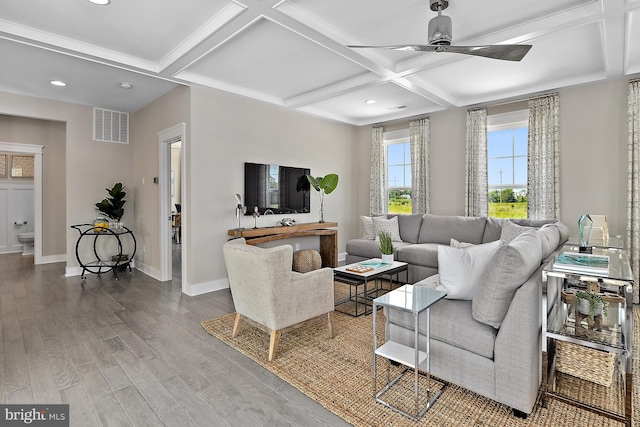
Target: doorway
(172, 186)
(36, 151)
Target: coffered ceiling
(292, 52)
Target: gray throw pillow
(511, 265)
(510, 231)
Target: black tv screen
(276, 189)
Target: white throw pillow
(461, 268)
(367, 226)
(388, 225)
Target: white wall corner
(205, 287)
(72, 271)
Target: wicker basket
(589, 364)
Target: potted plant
(386, 246)
(113, 206)
(324, 185)
(590, 305)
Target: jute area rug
(337, 373)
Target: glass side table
(596, 353)
(415, 300)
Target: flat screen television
(276, 189)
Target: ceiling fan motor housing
(438, 4)
(440, 29)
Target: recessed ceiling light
(125, 85)
(370, 101)
(100, 2)
(58, 83)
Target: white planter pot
(387, 258)
(583, 308)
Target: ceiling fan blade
(406, 47)
(508, 52)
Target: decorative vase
(100, 224)
(388, 258)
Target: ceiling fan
(440, 30)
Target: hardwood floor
(132, 353)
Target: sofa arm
(518, 356)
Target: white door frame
(37, 151)
(166, 138)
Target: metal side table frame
(415, 300)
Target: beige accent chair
(269, 294)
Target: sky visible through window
(507, 155)
(399, 165)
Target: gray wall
(228, 130)
(593, 155)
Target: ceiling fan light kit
(439, 31)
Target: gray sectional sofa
(489, 343)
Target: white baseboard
(51, 259)
(342, 256)
(72, 271)
(203, 288)
(149, 271)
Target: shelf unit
(615, 336)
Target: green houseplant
(324, 185)
(113, 206)
(386, 246)
(593, 304)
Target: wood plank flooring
(132, 353)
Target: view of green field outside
(507, 204)
(399, 202)
(510, 206)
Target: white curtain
(476, 185)
(420, 142)
(633, 185)
(543, 164)
(378, 173)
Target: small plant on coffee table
(386, 244)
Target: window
(398, 161)
(507, 143)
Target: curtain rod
(404, 119)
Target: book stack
(597, 265)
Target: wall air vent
(110, 126)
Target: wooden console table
(325, 230)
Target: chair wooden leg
(273, 344)
(330, 324)
(235, 326)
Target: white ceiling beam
(79, 49)
(224, 17)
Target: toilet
(27, 241)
